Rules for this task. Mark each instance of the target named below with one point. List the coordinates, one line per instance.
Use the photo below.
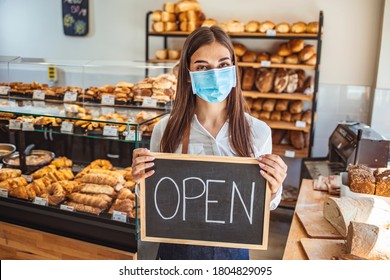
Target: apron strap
(186, 140)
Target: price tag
(290, 154)
(108, 99)
(28, 178)
(111, 131)
(265, 63)
(271, 32)
(4, 90)
(66, 207)
(66, 127)
(39, 95)
(27, 125)
(300, 124)
(149, 102)
(131, 136)
(40, 201)
(15, 124)
(70, 96)
(3, 193)
(119, 216)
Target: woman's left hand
(274, 170)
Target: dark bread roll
(286, 116)
(248, 79)
(296, 106)
(263, 56)
(249, 56)
(269, 105)
(278, 135)
(297, 140)
(306, 116)
(301, 79)
(281, 105)
(296, 117)
(361, 179)
(257, 105)
(275, 116)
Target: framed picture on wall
(75, 17)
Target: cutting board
(316, 226)
(323, 249)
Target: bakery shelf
(286, 125)
(162, 60)
(289, 96)
(276, 65)
(305, 36)
(290, 151)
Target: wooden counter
(22, 243)
(308, 200)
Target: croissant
(62, 162)
(100, 179)
(96, 189)
(19, 192)
(7, 173)
(123, 205)
(43, 171)
(130, 185)
(126, 194)
(68, 186)
(85, 208)
(91, 200)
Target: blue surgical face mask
(213, 85)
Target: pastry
(100, 201)
(7, 173)
(96, 189)
(84, 208)
(100, 179)
(62, 162)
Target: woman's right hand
(142, 159)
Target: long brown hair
(185, 102)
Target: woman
(208, 117)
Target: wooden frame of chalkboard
(205, 200)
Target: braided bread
(100, 179)
(55, 194)
(85, 208)
(96, 189)
(115, 174)
(98, 201)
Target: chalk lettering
(235, 190)
(211, 201)
(185, 197)
(155, 198)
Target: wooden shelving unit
(286, 125)
(275, 65)
(289, 151)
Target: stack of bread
(363, 179)
(292, 52)
(232, 26)
(26, 90)
(283, 110)
(277, 81)
(283, 27)
(168, 54)
(184, 15)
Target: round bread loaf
(284, 49)
(298, 27)
(252, 26)
(307, 52)
(282, 27)
(312, 27)
(296, 45)
(266, 25)
(239, 49)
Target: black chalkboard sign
(75, 17)
(205, 200)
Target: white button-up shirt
(201, 142)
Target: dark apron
(195, 252)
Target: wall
(117, 32)
(381, 104)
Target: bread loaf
(281, 105)
(282, 27)
(168, 17)
(312, 60)
(266, 25)
(291, 59)
(312, 27)
(235, 26)
(248, 79)
(286, 116)
(296, 45)
(263, 56)
(169, 7)
(281, 80)
(298, 27)
(257, 105)
(382, 184)
(264, 79)
(269, 105)
(249, 56)
(209, 22)
(306, 116)
(158, 26)
(192, 15)
(296, 106)
(292, 81)
(361, 179)
(170, 26)
(368, 241)
(278, 135)
(264, 115)
(174, 54)
(192, 25)
(161, 54)
(308, 86)
(297, 140)
(275, 116)
(296, 117)
(275, 58)
(301, 79)
(239, 49)
(156, 16)
(249, 102)
(284, 49)
(341, 211)
(187, 5)
(252, 26)
(307, 52)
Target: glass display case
(86, 111)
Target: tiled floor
(280, 221)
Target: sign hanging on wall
(75, 17)
(205, 200)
